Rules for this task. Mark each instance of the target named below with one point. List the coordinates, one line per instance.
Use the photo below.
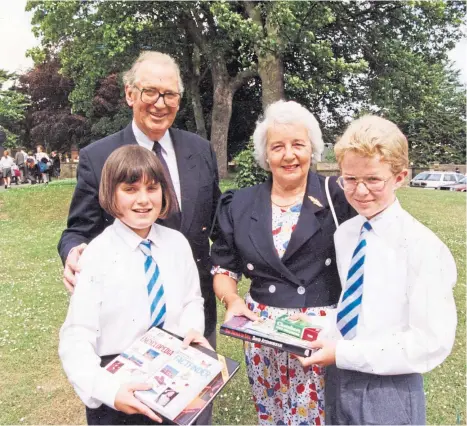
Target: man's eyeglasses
(151, 97)
(372, 183)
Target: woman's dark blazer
(306, 276)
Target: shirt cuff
(348, 357)
(106, 387)
(218, 270)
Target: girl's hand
(236, 306)
(324, 356)
(194, 336)
(126, 402)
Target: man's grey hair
(157, 58)
(286, 112)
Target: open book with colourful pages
(184, 381)
(265, 332)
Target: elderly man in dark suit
(153, 89)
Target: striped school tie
(347, 315)
(155, 286)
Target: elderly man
(153, 89)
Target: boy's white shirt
(408, 315)
(110, 309)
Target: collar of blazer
(307, 225)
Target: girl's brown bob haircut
(130, 164)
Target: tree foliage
(336, 58)
(49, 120)
(12, 110)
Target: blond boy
(396, 317)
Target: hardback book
(184, 381)
(305, 330)
(264, 332)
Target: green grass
(33, 388)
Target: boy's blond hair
(371, 135)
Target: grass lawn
(33, 388)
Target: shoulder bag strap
(331, 205)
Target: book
(305, 330)
(264, 333)
(184, 381)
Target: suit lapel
(307, 224)
(129, 136)
(188, 171)
(261, 231)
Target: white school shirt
(109, 308)
(6, 162)
(167, 151)
(408, 315)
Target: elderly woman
(280, 235)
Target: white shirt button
(301, 290)
(250, 267)
(328, 261)
(272, 288)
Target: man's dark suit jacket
(199, 185)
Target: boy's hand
(194, 336)
(126, 402)
(324, 356)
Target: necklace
(297, 199)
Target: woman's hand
(126, 402)
(300, 316)
(236, 306)
(324, 356)
(194, 336)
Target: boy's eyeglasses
(151, 97)
(372, 183)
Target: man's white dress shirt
(408, 316)
(110, 307)
(167, 151)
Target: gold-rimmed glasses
(372, 183)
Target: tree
(117, 31)
(331, 56)
(431, 112)
(336, 58)
(12, 110)
(49, 119)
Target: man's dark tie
(174, 218)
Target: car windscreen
(421, 176)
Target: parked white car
(436, 180)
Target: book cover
(183, 381)
(305, 330)
(264, 333)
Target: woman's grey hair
(285, 112)
(157, 58)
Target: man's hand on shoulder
(71, 267)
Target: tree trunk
(195, 95)
(271, 72)
(221, 113)
(270, 67)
